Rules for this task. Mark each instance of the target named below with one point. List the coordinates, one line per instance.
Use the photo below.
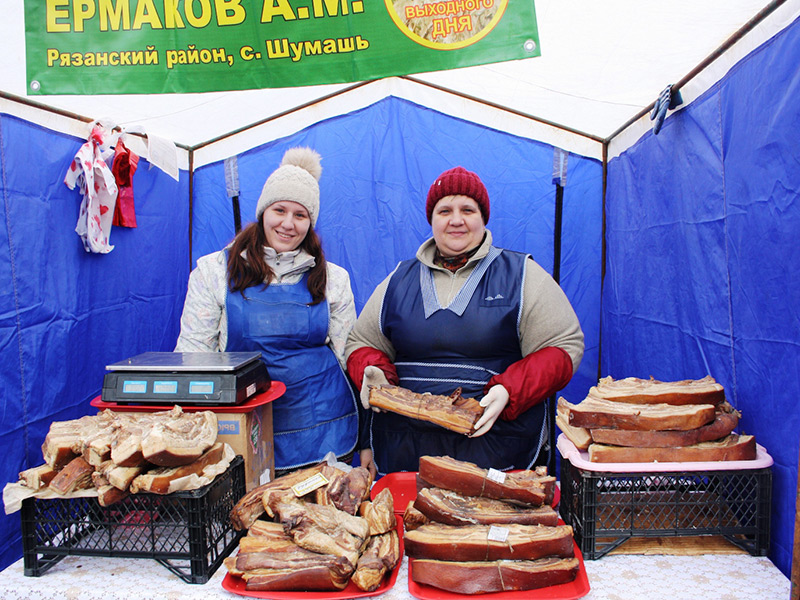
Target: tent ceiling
(601, 64)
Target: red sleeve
(532, 379)
(365, 357)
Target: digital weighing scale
(211, 378)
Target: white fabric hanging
(95, 182)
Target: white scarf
(288, 263)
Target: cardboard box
(250, 436)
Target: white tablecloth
(616, 577)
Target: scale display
(211, 378)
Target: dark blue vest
(442, 348)
(318, 412)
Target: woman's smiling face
(457, 225)
(285, 225)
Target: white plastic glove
(493, 404)
(373, 376)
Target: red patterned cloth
(454, 263)
(123, 168)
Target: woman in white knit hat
(272, 290)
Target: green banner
(167, 46)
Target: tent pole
(603, 249)
(557, 233)
(279, 115)
(560, 159)
(66, 113)
(551, 414)
(191, 203)
(795, 575)
(504, 108)
(45, 107)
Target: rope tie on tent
(667, 100)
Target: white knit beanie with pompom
(295, 180)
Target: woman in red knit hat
(464, 313)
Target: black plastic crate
(188, 532)
(606, 509)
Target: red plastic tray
(564, 591)
(403, 487)
(236, 585)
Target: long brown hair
(253, 270)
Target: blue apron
(318, 412)
(440, 349)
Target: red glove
(532, 379)
(365, 357)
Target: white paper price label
(309, 485)
(497, 534)
(496, 476)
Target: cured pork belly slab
(345, 489)
(179, 438)
(412, 518)
(159, 479)
(723, 424)
(379, 512)
(453, 412)
(732, 447)
(77, 475)
(323, 529)
(379, 557)
(250, 506)
(37, 477)
(452, 508)
(593, 413)
(580, 436)
(269, 559)
(494, 576)
(65, 439)
(307, 579)
(651, 391)
(527, 487)
(487, 542)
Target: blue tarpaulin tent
(677, 250)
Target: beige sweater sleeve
(367, 330)
(548, 318)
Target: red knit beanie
(458, 181)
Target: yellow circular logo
(446, 25)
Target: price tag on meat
(497, 534)
(496, 476)
(309, 485)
